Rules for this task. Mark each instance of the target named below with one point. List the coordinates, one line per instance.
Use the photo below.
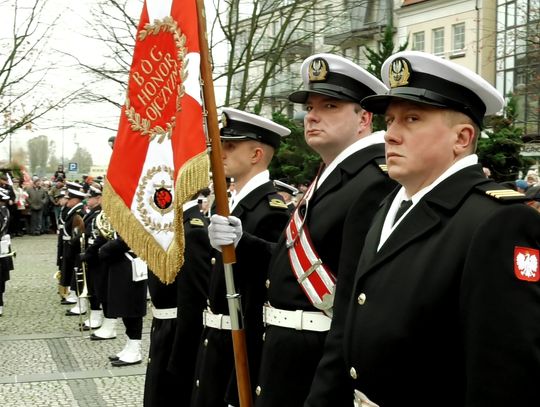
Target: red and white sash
(315, 278)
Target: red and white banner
(159, 158)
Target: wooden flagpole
(222, 208)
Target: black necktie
(403, 206)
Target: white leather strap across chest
(316, 279)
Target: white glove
(224, 231)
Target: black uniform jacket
(338, 217)
(264, 214)
(97, 268)
(441, 315)
(93, 266)
(6, 263)
(71, 249)
(60, 243)
(173, 342)
(126, 298)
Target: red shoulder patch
(526, 263)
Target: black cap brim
(272, 141)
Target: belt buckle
(310, 270)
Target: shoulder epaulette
(500, 193)
(381, 162)
(277, 203)
(196, 222)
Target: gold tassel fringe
(192, 177)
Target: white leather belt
(164, 313)
(299, 320)
(217, 321)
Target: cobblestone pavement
(44, 359)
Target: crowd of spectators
(530, 186)
(33, 204)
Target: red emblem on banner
(526, 263)
(163, 198)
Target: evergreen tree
(500, 150)
(294, 162)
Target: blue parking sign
(73, 167)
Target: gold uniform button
(267, 283)
(197, 383)
(352, 372)
(362, 299)
(213, 260)
(258, 390)
(206, 342)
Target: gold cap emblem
(400, 71)
(223, 120)
(318, 70)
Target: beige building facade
(498, 39)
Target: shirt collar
(188, 205)
(389, 225)
(255, 182)
(373, 138)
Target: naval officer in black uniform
(176, 323)
(6, 254)
(323, 239)
(92, 265)
(71, 246)
(444, 310)
(248, 145)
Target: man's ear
(465, 138)
(257, 154)
(364, 120)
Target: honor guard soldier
(93, 267)
(126, 299)
(175, 335)
(322, 240)
(6, 255)
(71, 245)
(248, 145)
(66, 297)
(444, 310)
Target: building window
(418, 41)
(438, 41)
(458, 39)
